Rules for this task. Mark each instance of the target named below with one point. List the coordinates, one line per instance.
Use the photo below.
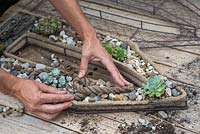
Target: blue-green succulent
(155, 86)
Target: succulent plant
(116, 52)
(48, 26)
(155, 86)
(2, 48)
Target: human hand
(42, 100)
(93, 50)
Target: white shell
(62, 33)
(53, 37)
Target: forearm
(72, 12)
(7, 82)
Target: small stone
(40, 66)
(23, 76)
(118, 43)
(100, 82)
(71, 90)
(111, 96)
(55, 72)
(38, 80)
(91, 99)
(29, 70)
(108, 84)
(175, 93)
(62, 33)
(69, 40)
(25, 65)
(143, 122)
(162, 114)
(104, 96)
(5, 109)
(119, 97)
(17, 67)
(14, 72)
(169, 84)
(153, 128)
(86, 99)
(168, 91)
(132, 96)
(56, 63)
(1, 109)
(43, 76)
(139, 98)
(124, 45)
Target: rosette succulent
(116, 52)
(155, 86)
(48, 26)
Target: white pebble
(39, 66)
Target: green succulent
(2, 48)
(109, 48)
(49, 26)
(155, 86)
(120, 54)
(116, 52)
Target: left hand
(93, 50)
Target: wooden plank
(75, 122)
(29, 125)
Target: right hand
(42, 100)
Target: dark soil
(160, 128)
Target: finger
(55, 108)
(46, 116)
(124, 80)
(56, 98)
(113, 70)
(48, 89)
(83, 66)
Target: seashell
(168, 91)
(53, 37)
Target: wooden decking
(180, 63)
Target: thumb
(83, 66)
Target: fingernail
(80, 75)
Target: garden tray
(74, 54)
(131, 74)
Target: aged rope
(85, 87)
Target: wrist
(89, 33)
(13, 85)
